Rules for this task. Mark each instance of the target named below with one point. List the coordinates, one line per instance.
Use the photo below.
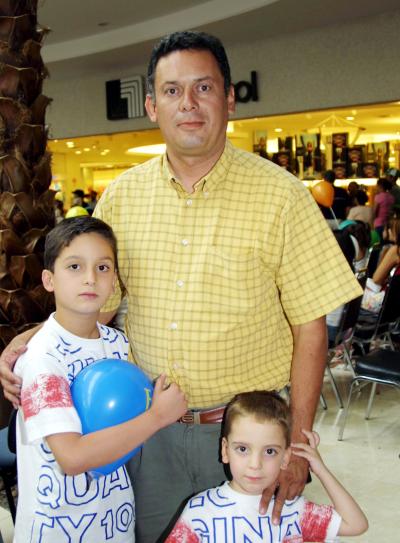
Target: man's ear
(150, 106)
(231, 99)
(286, 458)
(47, 280)
(224, 450)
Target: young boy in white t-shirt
(256, 445)
(58, 501)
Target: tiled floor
(367, 461)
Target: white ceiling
(87, 34)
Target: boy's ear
(224, 450)
(47, 280)
(286, 458)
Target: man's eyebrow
(196, 80)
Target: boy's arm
(354, 522)
(77, 453)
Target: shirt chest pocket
(233, 278)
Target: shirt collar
(207, 183)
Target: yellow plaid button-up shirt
(215, 278)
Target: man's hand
(10, 382)
(290, 484)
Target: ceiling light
(86, 149)
(78, 152)
(350, 118)
(70, 144)
(157, 149)
(278, 129)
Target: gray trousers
(174, 464)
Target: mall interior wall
(339, 65)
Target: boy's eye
(74, 266)
(104, 267)
(241, 449)
(270, 452)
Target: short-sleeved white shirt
(54, 507)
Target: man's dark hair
(188, 41)
(330, 176)
(384, 183)
(67, 230)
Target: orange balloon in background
(323, 193)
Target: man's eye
(204, 87)
(172, 91)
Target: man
(222, 259)
(341, 201)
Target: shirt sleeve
(46, 401)
(313, 277)
(182, 532)
(319, 522)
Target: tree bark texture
(26, 203)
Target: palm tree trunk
(26, 203)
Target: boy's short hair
(188, 41)
(263, 405)
(67, 230)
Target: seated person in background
(361, 212)
(57, 499)
(390, 257)
(360, 233)
(256, 446)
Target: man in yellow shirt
(222, 258)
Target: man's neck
(190, 169)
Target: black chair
(8, 462)
(344, 337)
(373, 259)
(371, 327)
(381, 366)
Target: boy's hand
(10, 382)
(169, 402)
(310, 451)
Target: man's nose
(188, 101)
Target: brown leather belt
(205, 416)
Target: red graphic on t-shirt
(315, 521)
(47, 391)
(182, 534)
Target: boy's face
(256, 452)
(84, 276)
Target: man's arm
(308, 366)
(10, 382)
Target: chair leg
(335, 388)
(345, 413)
(370, 401)
(323, 402)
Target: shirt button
(189, 202)
(185, 242)
(180, 283)
(176, 366)
(173, 326)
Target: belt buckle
(188, 418)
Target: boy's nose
(90, 277)
(255, 461)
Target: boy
(57, 500)
(256, 445)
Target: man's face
(190, 105)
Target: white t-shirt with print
(223, 515)
(54, 507)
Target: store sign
(246, 91)
(125, 98)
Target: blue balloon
(109, 392)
